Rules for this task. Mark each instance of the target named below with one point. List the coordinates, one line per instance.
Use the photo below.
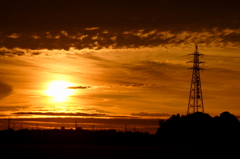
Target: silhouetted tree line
(200, 129)
(194, 130)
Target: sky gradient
(129, 59)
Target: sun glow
(58, 90)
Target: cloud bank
(133, 39)
(121, 24)
(5, 90)
(150, 114)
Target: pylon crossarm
(195, 62)
(196, 68)
(196, 54)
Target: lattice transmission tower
(195, 103)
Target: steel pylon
(195, 103)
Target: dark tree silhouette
(228, 118)
(200, 128)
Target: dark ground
(193, 136)
(43, 151)
(90, 151)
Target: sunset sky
(128, 57)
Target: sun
(58, 90)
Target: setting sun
(58, 90)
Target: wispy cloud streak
(113, 86)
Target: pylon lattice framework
(195, 103)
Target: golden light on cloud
(58, 90)
(92, 28)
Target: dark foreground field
(104, 151)
(90, 151)
(195, 136)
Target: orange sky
(129, 59)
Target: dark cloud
(11, 53)
(5, 90)
(36, 53)
(120, 24)
(12, 108)
(118, 121)
(113, 39)
(94, 57)
(150, 114)
(65, 114)
(79, 87)
(114, 86)
(58, 114)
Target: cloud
(166, 61)
(12, 108)
(113, 86)
(58, 114)
(5, 90)
(150, 114)
(114, 25)
(67, 114)
(79, 87)
(13, 52)
(80, 40)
